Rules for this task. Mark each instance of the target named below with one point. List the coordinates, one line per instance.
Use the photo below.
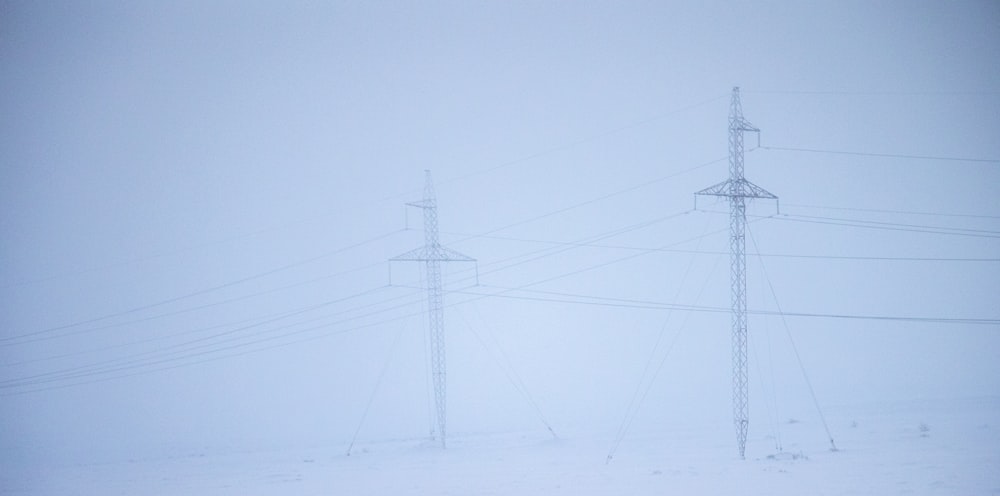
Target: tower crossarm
(439, 253)
(737, 190)
(432, 254)
(740, 188)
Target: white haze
(151, 151)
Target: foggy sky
(153, 151)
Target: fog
(199, 200)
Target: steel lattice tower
(432, 254)
(737, 189)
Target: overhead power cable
(872, 224)
(708, 252)
(199, 292)
(240, 325)
(884, 155)
(570, 144)
(889, 226)
(36, 335)
(35, 338)
(123, 367)
(873, 92)
(590, 201)
(183, 349)
(268, 342)
(884, 211)
(957, 230)
(534, 255)
(581, 299)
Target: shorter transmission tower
(737, 189)
(432, 254)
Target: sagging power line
(206, 353)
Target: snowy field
(919, 447)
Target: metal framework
(432, 254)
(737, 189)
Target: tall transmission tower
(737, 189)
(432, 254)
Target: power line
(36, 338)
(884, 211)
(119, 368)
(199, 292)
(129, 344)
(872, 93)
(605, 263)
(241, 325)
(544, 253)
(625, 303)
(581, 299)
(20, 337)
(883, 155)
(187, 346)
(707, 252)
(537, 257)
(872, 224)
(218, 353)
(899, 224)
(586, 139)
(592, 200)
(528, 157)
(618, 302)
(570, 144)
(594, 238)
(141, 259)
(889, 226)
(288, 266)
(211, 355)
(547, 252)
(135, 360)
(552, 297)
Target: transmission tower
(737, 189)
(432, 254)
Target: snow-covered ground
(917, 447)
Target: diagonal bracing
(737, 189)
(432, 254)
